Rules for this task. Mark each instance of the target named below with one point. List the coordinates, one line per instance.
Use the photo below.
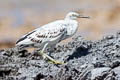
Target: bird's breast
(72, 29)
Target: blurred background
(17, 17)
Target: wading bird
(50, 34)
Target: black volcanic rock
(85, 60)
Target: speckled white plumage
(51, 33)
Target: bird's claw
(56, 62)
(50, 58)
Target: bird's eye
(73, 15)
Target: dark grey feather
(23, 38)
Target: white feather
(51, 33)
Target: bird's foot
(56, 62)
(51, 60)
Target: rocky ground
(85, 60)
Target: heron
(50, 34)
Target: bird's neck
(70, 20)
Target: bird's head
(75, 15)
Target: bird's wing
(25, 38)
(49, 32)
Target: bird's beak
(81, 16)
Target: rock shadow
(80, 51)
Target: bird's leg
(42, 51)
(51, 49)
(50, 58)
